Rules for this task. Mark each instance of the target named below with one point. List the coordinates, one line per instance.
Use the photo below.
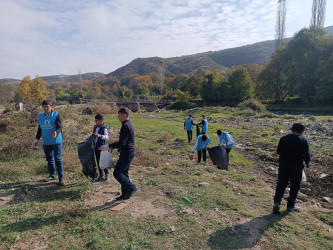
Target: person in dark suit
(126, 149)
(293, 150)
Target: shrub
(252, 104)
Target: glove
(307, 164)
(104, 147)
(110, 150)
(34, 143)
(54, 134)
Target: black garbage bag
(198, 130)
(219, 157)
(86, 151)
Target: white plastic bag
(105, 160)
(303, 176)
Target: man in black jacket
(126, 149)
(293, 150)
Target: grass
(221, 216)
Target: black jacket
(293, 150)
(126, 139)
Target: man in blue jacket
(188, 126)
(50, 129)
(201, 147)
(293, 150)
(227, 141)
(204, 125)
(126, 149)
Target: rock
(322, 176)
(328, 199)
(21, 246)
(172, 229)
(203, 184)
(311, 118)
(330, 133)
(330, 120)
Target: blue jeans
(53, 157)
(120, 173)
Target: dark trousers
(189, 136)
(53, 157)
(228, 151)
(120, 173)
(98, 157)
(295, 175)
(204, 153)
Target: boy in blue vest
(188, 126)
(201, 146)
(227, 142)
(204, 125)
(49, 128)
(101, 133)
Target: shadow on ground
(245, 235)
(39, 191)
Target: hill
(257, 53)
(72, 78)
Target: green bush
(252, 104)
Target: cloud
(58, 36)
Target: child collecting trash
(201, 147)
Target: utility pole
(80, 80)
(318, 13)
(161, 74)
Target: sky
(67, 36)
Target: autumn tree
(32, 90)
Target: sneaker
(106, 177)
(276, 208)
(294, 209)
(61, 183)
(50, 178)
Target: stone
(203, 184)
(322, 176)
(328, 199)
(172, 229)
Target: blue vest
(202, 144)
(224, 139)
(47, 124)
(204, 127)
(188, 124)
(100, 142)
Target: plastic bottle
(186, 200)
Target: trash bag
(86, 151)
(105, 161)
(219, 157)
(198, 130)
(303, 176)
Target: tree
(240, 84)
(32, 90)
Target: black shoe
(130, 193)
(61, 183)
(276, 208)
(50, 178)
(120, 198)
(106, 177)
(294, 209)
(100, 178)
